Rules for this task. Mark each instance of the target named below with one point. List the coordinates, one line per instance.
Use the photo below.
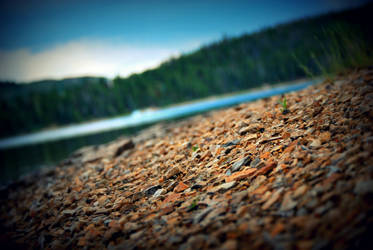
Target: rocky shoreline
(250, 176)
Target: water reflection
(22, 160)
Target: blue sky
(55, 38)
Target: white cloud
(79, 58)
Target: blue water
(145, 117)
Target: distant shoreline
(143, 116)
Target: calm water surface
(23, 154)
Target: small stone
(333, 169)
(242, 162)
(68, 211)
(179, 157)
(265, 140)
(167, 210)
(288, 203)
(364, 187)
(229, 245)
(194, 242)
(274, 197)
(325, 137)
(180, 187)
(251, 137)
(103, 211)
(172, 172)
(151, 190)
(174, 239)
(300, 191)
(200, 216)
(255, 162)
(265, 155)
(252, 128)
(223, 187)
(240, 175)
(242, 211)
(237, 197)
(171, 186)
(159, 192)
(136, 235)
(278, 228)
(322, 209)
(107, 222)
(172, 198)
(256, 183)
(231, 143)
(267, 168)
(315, 143)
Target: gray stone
(223, 187)
(107, 222)
(231, 143)
(255, 162)
(69, 211)
(242, 162)
(200, 216)
(228, 173)
(159, 192)
(364, 187)
(151, 190)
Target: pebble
(315, 143)
(231, 143)
(151, 190)
(69, 211)
(274, 197)
(240, 175)
(255, 163)
(159, 192)
(364, 187)
(256, 183)
(201, 215)
(173, 172)
(252, 128)
(288, 203)
(180, 187)
(229, 245)
(224, 186)
(242, 162)
(300, 191)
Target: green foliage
(194, 204)
(284, 105)
(345, 48)
(304, 48)
(195, 148)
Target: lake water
(25, 153)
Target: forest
(300, 49)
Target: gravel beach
(246, 177)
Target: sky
(41, 39)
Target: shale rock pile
(247, 177)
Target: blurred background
(71, 62)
